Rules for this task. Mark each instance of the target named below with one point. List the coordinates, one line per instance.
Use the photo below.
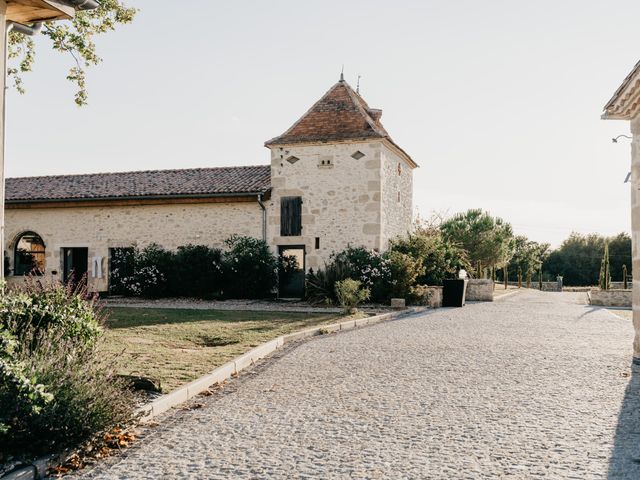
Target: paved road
(532, 386)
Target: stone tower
(337, 179)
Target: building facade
(336, 178)
(625, 105)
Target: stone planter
(611, 298)
(480, 290)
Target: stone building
(336, 178)
(625, 105)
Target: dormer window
(358, 155)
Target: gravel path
(531, 386)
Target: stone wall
(341, 196)
(434, 297)
(101, 228)
(397, 196)
(479, 290)
(634, 185)
(610, 298)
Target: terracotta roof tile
(341, 114)
(151, 183)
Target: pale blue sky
(498, 101)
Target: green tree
(579, 258)
(527, 256)
(75, 38)
(619, 255)
(440, 257)
(605, 277)
(488, 240)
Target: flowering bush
(141, 272)
(369, 267)
(250, 267)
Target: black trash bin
(453, 292)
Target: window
(317, 243)
(325, 162)
(292, 159)
(358, 155)
(290, 216)
(29, 255)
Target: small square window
(292, 159)
(358, 155)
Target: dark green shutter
(290, 216)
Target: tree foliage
(441, 257)
(75, 38)
(527, 258)
(579, 258)
(488, 240)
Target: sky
(499, 102)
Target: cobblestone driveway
(531, 386)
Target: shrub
(350, 294)
(74, 397)
(57, 387)
(251, 268)
(154, 266)
(321, 285)
(122, 270)
(441, 258)
(369, 267)
(198, 272)
(404, 272)
(142, 272)
(40, 307)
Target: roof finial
(358, 85)
(342, 73)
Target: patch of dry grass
(176, 346)
(626, 314)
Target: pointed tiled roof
(341, 114)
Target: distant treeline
(579, 257)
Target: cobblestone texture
(531, 386)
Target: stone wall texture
(479, 290)
(397, 196)
(635, 228)
(362, 201)
(342, 196)
(611, 298)
(101, 228)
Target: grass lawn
(176, 346)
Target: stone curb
(37, 469)
(235, 366)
